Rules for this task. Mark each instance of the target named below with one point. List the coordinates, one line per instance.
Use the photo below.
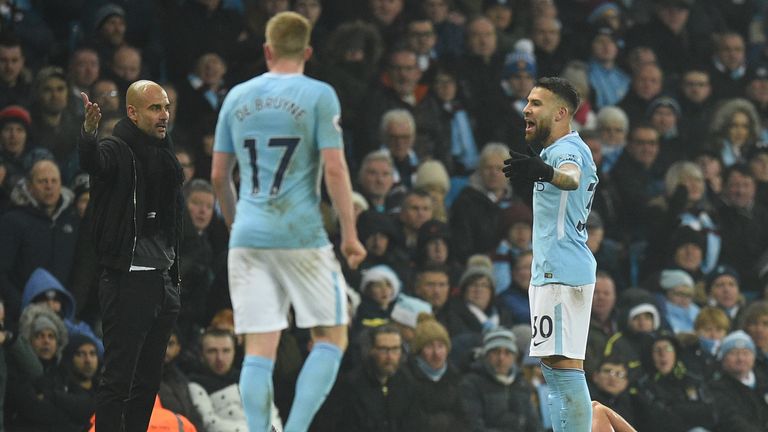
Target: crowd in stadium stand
(675, 112)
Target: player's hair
(711, 315)
(396, 115)
(563, 89)
(288, 34)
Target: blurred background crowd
(675, 113)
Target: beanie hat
(477, 265)
(500, 337)
(380, 273)
(431, 230)
(428, 330)
(663, 101)
(646, 308)
(44, 322)
(737, 339)
(106, 11)
(600, 10)
(721, 270)
(15, 113)
(519, 61)
(673, 278)
(407, 310)
(371, 222)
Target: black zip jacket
(116, 199)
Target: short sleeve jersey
(560, 252)
(277, 125)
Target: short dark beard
(540, 137)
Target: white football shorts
(560, 319)
(264, 283)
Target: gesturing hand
(92, 114)
(528, 166)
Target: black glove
(528, 166)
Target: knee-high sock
(256, 391)
(553, 399)
(313, 385)
(572, 390)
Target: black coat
(673, 403)
(440, 401)
(475, 223)
(367, 405)
(741, 408)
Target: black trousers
(139, 311)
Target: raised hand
(92, 114)
(529, 166)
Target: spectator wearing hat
(35, 390)
(476, 213)
(379, 288)
(696, 105)
(639, 319)
(40, 231)
(754, 321)
(517, 79)
(81, 187)
(405, 316)
(609, 82)
(43, 288)
(434, 248)
(378, 233)
(436, 381)
(56, 127)
(379, 395)
(741, 392)
(432, 177)
(679, 309)
(745, 236)
(474, 310)
(724, 291)
(728, 67)
(17, 152)
(80, 366)
(670, 397)
(698, 350)
(494, 393)
(15, 80)
(687, 249)
(107, 29)
(664, 115)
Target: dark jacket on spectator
(741, 408)
(440, 401)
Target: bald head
(148, 107)
(44, 184)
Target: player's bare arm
(567, 177)
(340, 189)
(221, 177)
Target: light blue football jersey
(560, 252)
(276, 125)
